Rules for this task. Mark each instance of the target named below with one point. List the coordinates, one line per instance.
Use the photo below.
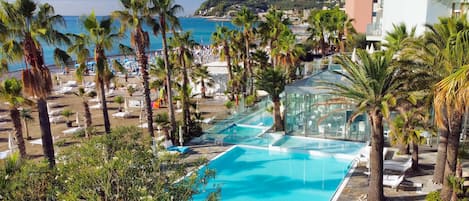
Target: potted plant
(119, 100)
(67, 113)
(131, 90)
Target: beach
(207, 107)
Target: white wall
(412, 13)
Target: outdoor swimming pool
(322, 145)
(262, 118)
(251, 173)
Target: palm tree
(26, 116)
(222, 37)
(29, 24)
(288, 53)
(182, 44)
(451, 96)
(273, 80)
(341, 27)
(441, 49)
(84, 97)
(396, 39)
(246, 19)
(200, 75)
(319, 27)
(136, 13)
(11, 92)
(166, 11)
(271, 28)
(370, 84)
(101, 37)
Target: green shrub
(250, 100)
(433, 196)
(117, 166)
(229, 104)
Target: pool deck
(357, 186)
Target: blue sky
(104, 7)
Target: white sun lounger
(4, 154)
(55, 112)
(97, 106)
(397, 165)
(121, 115)
(364, 154)
(39, 141)
(393, 181)
(65, 90)
(72, 130)
(56, 119)
(71, 83)
(145, 125)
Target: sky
(104, 7)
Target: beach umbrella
(11, 142)
(354, 55)
(77, 119)
(126, 105)
(181, 137)
(372, 49)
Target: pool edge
(345, 181)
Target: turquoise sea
(201, 29)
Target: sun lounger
(39, 141)
(393, 181)
(97, 106)
(145, 125)
(56, 119)
(397, 165)
(121, 115)
(4, 154)
(111, 93)
(72, 130)
(180, 149)
(364, 154)
(65, 90)
(71, 83)
(56, 112)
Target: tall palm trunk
(323, 45)
(415, 156)
(172, 117)
(375, 189)
(451, 154)
(185, 81)
(202, 83)
(277, 115)
(107, 124)
(438, 175)
(88, 120)
(143, 61)
(100, 59)
(226, 49)
(15, 117)
(37, 82)
(47, 143)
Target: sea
(201, 29)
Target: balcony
(374, 32)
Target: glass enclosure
(311, 111)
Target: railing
(374, 29)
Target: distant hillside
(225, 7)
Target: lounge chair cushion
(180, 149)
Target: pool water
(247, 173)
(241, 130)
(259, 119)
(322, 145)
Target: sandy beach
(208, 108)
